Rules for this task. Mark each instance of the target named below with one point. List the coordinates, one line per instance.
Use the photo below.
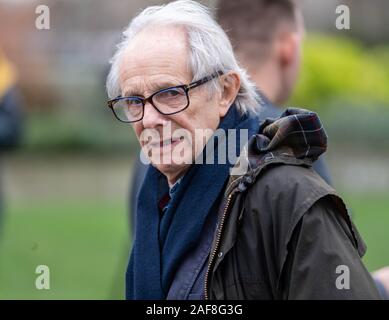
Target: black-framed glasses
(166, 101)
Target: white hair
(210, 48)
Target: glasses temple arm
(203, 80)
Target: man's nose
(152, 118)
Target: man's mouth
(166, 142)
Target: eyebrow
(157, 87)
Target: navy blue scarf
(162, 242)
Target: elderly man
(209, 227)
(269, 49)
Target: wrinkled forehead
(154, 49)
(161, 36)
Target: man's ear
(230, 85)
(288, 48)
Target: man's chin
(169, 169)
(170, 159)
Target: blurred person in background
(10, 112)
(267, 38)
(170, 240)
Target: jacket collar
(297, 137)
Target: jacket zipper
(212, 256)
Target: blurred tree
(337, 68)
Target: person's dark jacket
(10, 119)
(283, 232)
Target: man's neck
(268, 85)
(172, 179)
(267, 77)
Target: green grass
(371, 215)
(85, 245)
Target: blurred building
(369, 19)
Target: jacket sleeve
(323, 259)
(10, 120)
